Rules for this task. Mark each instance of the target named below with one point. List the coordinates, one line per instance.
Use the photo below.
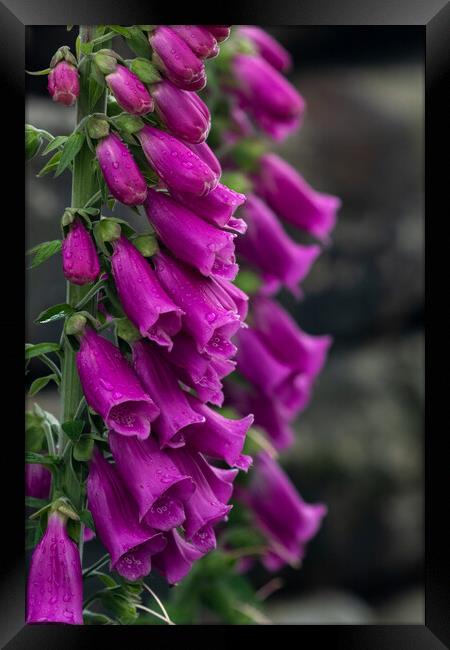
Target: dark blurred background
(360, 444)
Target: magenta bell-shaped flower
(292, 346)
(268, 414)
(176, 560)
(207, 506)
(280, 512)
(120, 171)
(200, 40)
(158, 487)
(176, 59)
(129, 543)
(288, 388)
(199, 371)
(112, 388)
(217, 207)
(177, 165)
(204, 151)
(80, 259)
(220, 32)
(129, 91)
(160, 382)
(143, 299)
(275, 104)
(38, 481)
(183, 113)
(219, 437)
(64, 83)
(267, 46)
(268, 247)
(191, 239)
(290, 196)
(211, 316)
(55, 585)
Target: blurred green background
(359, 446)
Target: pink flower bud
(121, 173)
(63, 83)
(200, 40)
(129, 91)
(176, 59)
(80, 259)
(184, 113)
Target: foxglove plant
(154, 435)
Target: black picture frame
(433, 16)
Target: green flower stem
(84, 187)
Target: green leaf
(40, 383)
(43, 251)
(34, 432)
(51, 164)
(54, 144)
(72, 485)
(138, 42)
(38, 73)
(71, 148)
(122, 31)
(86, 518)
(54, 313)
(37, 504)
(83, 449)
(74, 429)
(48, 460)
(35, 350)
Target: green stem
(84, 186)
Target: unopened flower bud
(129, 91)
(63, 83)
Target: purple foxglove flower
(237, 296)
(266, 411)
(160, 381)
(292, 346)
(121, 173)
(176, 59)
(156, 484)
(263, 86)
(80, 260)
(268, 47)
(217, 207)
(129, 543)
(64, 83)
(275, 104)
(178, 166)
(288, 388)
(211, 317)
(183, 112)
(268, 247)
(176, 560)
(199, 371)
(276, 127)
(280, 512)
(191, 239)
(38, 481)
(220, 32)
(204, 151)
(207, 506)
(290, 196)
(200, 40)
(143, 299)
(219, 437)
(129, 91)
(55, 584)
(112, 388)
